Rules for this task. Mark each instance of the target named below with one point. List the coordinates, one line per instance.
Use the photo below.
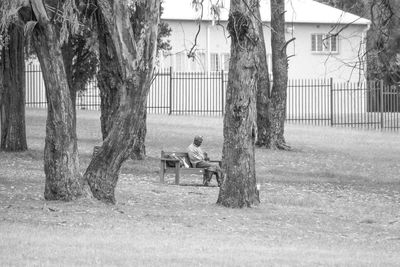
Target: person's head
(198, 140)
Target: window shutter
(334, 43)
(215, 62)
(313, 43)
(320, 41)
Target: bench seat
(177, 169)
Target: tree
(271, 107)
(280, 74)
(108, 81)
(383, 41)
(80, 61)
(61, 162)
(240, 129)
(132, 60)
(12, 99)
(263, 94)
(48, 31)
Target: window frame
(215, 62)
(326, 49)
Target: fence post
(381, 103)
(222, 92)
(331, 89)
(170, 91)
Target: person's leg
(220, 177)
(213, 168)
(204, 164)
(207, 177)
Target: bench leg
(177, 172)
(162, 171)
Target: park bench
(171, 163)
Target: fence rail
(311, 101)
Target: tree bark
(263, 92)
(139, 150)
(68, 54)
(240, 129)
(61, 162)
(134, 61)
(109, 80)
(277, 111)
(12, 104)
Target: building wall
(213, 40)
(345, 65)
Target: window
(192, 64)
(180, 61)
(201, 61)
(197, 62)
(324, 43)
(215, 62)
(219, 62)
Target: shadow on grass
(318, 176)
(197, 185)
(32, 154)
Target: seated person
(199, 159)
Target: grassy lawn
(333, 201)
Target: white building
(329, 43)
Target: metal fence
(200, 93)
(311, 101)
(362, 104)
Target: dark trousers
(212, 168)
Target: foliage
(69, 20)
(8, 15)
(73, 32)
(164, 30)
(163, 44)
(85, 60)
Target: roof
(297, 11)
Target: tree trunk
(139, 150)
(134, 61)
(1, 86)
(68, 55)
(263, 92)
(109, 81)
(240, 130)
(61, 163)
(275, 136)
(108, 78)
(12, 106)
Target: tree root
(283, 146)
(279, 145)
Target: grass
(333, 201)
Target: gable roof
(297, 11)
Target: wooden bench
(177, 169)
